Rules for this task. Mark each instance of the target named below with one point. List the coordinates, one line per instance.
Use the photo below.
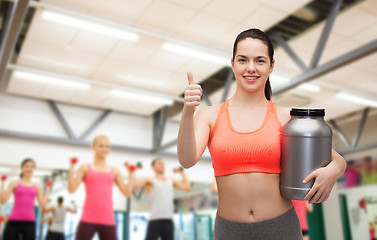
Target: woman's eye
(242, 60)
(261, 61)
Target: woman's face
(251, 64)
(28, 169)
(101, 148)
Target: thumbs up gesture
(193, 94)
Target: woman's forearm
(45, 197)
(338, 163)
(186, 145)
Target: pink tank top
(98, 206)
(23, 208)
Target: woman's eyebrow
(258, 57)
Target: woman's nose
(251, 67)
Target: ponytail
(268, 90)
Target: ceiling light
(41, 173)
(141, 97)
(309, 87)
(190, 52)
(38, 173)
(33, 179)
(278, 79)
(139, 80)
(89, 26)
(356, 99)
(5, 169)
(51, 80)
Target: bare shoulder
(115, 170)
(172, 179)
(38, 186)
(149, 180)
(13, 184)
(84, 168)
(283, 114)
(208, 113)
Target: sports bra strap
(223, 107)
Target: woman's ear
(272, 65)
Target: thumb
(190, 78)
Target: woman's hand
(192, 95)
(324, 181)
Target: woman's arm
(74, 180)
(126, 189)
(42, 199)
(6, 195)
(325, 179)
(214, 186)
(193, 133)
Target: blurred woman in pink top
(302, 207)
(98, 177)
(21, 223)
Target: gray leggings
(284, 227)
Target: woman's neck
(243, 98)
(99, 161)
(26, 179)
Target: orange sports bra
(242, 152)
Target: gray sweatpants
(284, 227)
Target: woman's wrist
(334, 168)
(188, 110)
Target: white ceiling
(212, 24)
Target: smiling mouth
(250, 79)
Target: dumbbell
(48, 183)
(130, 167)
(178, 169)
(74, 160)
(3, 177)
(139, 164)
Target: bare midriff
(250, 197)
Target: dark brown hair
(257, 34)
(155, 160)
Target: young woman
(56, 229)
(21, 221)
(99, 178)
(243, 136)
